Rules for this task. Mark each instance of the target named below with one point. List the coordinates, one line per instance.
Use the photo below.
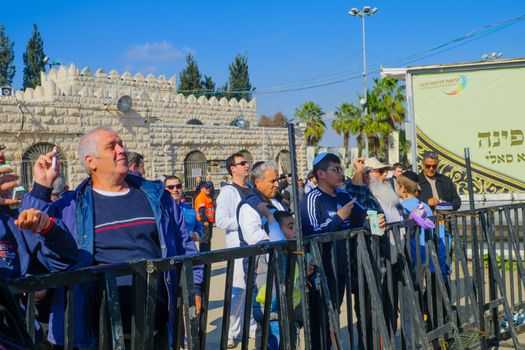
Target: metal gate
(195, 165)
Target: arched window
(283, 162)
(247, 156)
(194, 122)
(32, 154)
(195, 165)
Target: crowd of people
(116, 215)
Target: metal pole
(301, 257)
(365, 97)
(470, 185)
(364, 65)
(477, 259)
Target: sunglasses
(242, 163)
(431, 166)
(337, 170)
(171, 187)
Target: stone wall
(70, 102)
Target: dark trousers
(364, 321)
(205, 240)
(319, 328)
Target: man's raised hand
(44, 172)
(344, 211)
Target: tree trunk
(346, 139)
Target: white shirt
(252, 227)
(226, 211)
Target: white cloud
(150, 69)
(161, 51)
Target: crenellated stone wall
(70, 102)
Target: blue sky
(286, 41)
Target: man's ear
(90, 162)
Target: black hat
(409, 174)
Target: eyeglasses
(380, 171)
(241, 163)
(337, 170)
(171, 187)
(431, 166)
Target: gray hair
(86, 146)
(258, 172)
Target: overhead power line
(328, 80)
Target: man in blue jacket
(114, 217)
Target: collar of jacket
(85, 218)
(423, 179)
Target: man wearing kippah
(327, 208)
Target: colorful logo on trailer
(462, 85)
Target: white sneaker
(231, 343)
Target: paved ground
(217, 296)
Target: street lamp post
(492, 57)
(366, 11)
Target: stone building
(187, 136)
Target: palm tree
(386, 113)
(392, 97)
(347, 123)
(310, 114)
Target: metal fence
(409, 302)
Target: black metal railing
(403, 299)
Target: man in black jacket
(436, 188)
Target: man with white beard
(377, 194)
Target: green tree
(223, 92)
(386, 113)
(404, 146)
(208, 86)
(348, 122)
(34, 59)
(7, 57)
(311, 114)
(190, 77)
(239, 81)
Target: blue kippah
(319, 158)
